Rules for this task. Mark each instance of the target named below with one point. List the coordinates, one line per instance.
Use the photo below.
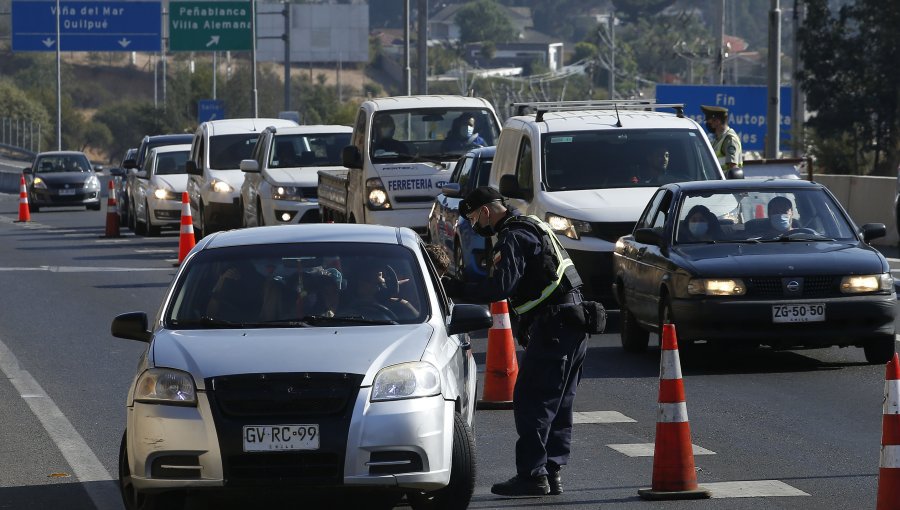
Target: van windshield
(227, 151)
(431, 133)
(625, 159)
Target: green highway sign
(210, 26)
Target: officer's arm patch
(731, 150)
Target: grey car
(299, 357)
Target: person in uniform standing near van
(533, 271)
(727, 144)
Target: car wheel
(32, 207)
(879, 350)
(136, 500)
(200, 231)
(459, 261)
(634, 337)
(152, 231)
(458, 493)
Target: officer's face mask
(482, 230)
(698, 228)
(781, 222)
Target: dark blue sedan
(777, 263)
(468, 251)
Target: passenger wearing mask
(462, 135)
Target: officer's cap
(478, 197)
(715, 111)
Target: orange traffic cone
(889, 468)
(186, 238)
(501, 367)
(673, 457)
(112, 213)
(24, 211)
(760, 211)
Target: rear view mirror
(116, 171)
(873, 231)
(129, 163)
(191, 168)
(451, 189)
(131, 326)
(250, 165)
(735, 173)
(466, 318)
(649, 236)
(351, 157)
(26, 170)
(509, 187)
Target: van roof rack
(542, 107)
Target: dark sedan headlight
(573, 229)
(858, 284)
(406, 380)
(717, 287)
(39, 183)
(166, 386)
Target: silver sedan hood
(356, 350)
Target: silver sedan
(294, 357)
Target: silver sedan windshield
(298, 285)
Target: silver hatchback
(297, 357)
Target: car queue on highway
(395, 419)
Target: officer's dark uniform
(551, 326)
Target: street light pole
(773, 122)
(58, 85)
(254, 107)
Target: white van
(214, 169)
(585, 168)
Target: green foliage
(850, 77)
(483, 20)
(636, 10)
(584, 50)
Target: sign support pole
(58, 85)
(254, 106)
(773, 124)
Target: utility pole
(720, 56)
(798, 99)
(287, 56)
(254, 106)
(422, 48)
(407, 78)
(58, 84)
(612, 55)
(773, 122)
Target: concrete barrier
(868, 199)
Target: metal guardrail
(22, 134)
(17, 151)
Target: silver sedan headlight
(164, 194)
(166, 386)
(867, 283)
(573, 229)
(406, 380)
(221, 186)
(93, 182)
(717, 286)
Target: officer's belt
(570, 298)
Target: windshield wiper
(354, 319)
(797, 236)
(207, 322)
(743, 241)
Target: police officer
(533, 271)
(727, 143)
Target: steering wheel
(803, 230)
(378, 311)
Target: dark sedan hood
(60, 178)
(776, 259)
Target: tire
(152, 231)
(136, 500)
(199, 231)
(879, 351)
(458, 493)
(634, 337)
(666, 317)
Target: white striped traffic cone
(889, 469)
(501, 368)
(186, 237)
(673, 456)
(24, 211)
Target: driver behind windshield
(375, 296)
(781, 214)
(384, 129)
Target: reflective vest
(556, 267)
(719, 146)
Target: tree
(635, 10)
(483, 20)
(850, 78)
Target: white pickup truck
(402, 151)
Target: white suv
(282, 177)
(215, 178)
(584, 167)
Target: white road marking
(112, 241)
(892, 260)
(602, 417)
(751, 489)
(84, 463)
(155, 250)
(85, 269)
(646, 449)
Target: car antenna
(618, 120)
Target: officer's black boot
(523, 486)
(555, 482)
